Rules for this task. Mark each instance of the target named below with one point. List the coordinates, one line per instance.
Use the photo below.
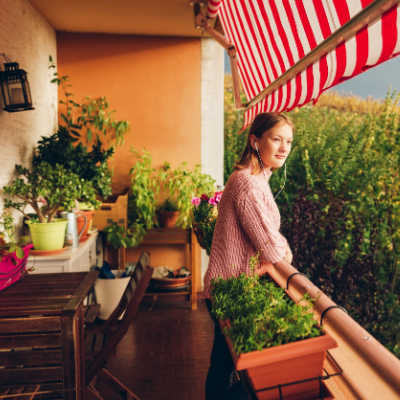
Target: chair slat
(31, 340)
(30, 357)
(15, 376)
(35, 324)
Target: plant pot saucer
(34, 252)
(170, 283)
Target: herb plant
(142, 197)
(117, 236)
(181, 184)
(260, 314)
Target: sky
(373, 83)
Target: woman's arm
(256, 220)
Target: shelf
(180, 237)
(167, 236)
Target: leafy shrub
(341, 211)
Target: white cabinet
(70, 260)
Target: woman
(248, 222)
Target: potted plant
(13, 252)
(275, 340)
(180, 185)
(61, 148)
(205, 214)
(84, 143)
(47, 189)
(167, 213)
(172, 189)
(142, 197)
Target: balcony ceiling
(138, 17)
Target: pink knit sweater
(248, 221)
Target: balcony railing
(369, 370)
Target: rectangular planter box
(284, 364)
(117, 212)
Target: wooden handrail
(355, 343)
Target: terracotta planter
(284, 364)
(84, 223)
(167, 219)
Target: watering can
(73, 236)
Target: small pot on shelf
(167, 214)
(167, 219)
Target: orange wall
(153, 82)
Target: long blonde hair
(261, 124)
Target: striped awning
(271, 37)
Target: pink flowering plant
(205, 211)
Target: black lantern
(15, 88)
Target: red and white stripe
(270, 36)
(212, 8)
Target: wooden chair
(102, 338)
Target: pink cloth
(248, 221)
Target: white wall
(212, 116)
(26, 38)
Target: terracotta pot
(283, 364)
(84, 223)
(167, 219)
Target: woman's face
(274, 145)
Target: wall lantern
(15, 87)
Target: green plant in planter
(260, 313)
(117, 236)
(142, 197)
(47, 189)
(89, 119)
(168, 205)
(164, 186)
(205, 214)
(181, 185)
(9, 242)
(62, 148)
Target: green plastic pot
(48, 235)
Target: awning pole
(366, 16)
(202, 22)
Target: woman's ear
(253, 142)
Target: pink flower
(204, 197)
(196, 201)
(212, 201)
(218, 196)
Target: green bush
(341, 210)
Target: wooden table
(42, 331)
